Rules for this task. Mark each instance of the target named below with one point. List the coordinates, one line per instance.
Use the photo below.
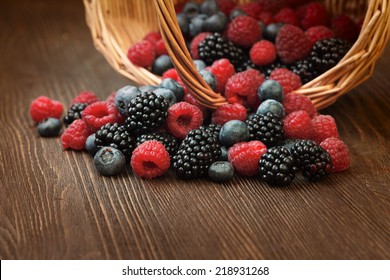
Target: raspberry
(182, 118)
(171, 73)
(150, 160)
(111, 98)
(317, 33)
(345, 28)
(222, 70)
(324, 126)
(287, 79)
(43, 107)
(194, 47)
(228, 112)
(292, 44)
(75, 135)
(287, 16)
(85, 97)
(100, 113)
(160, 47)
(314, 14)
(245, 157)
(263, 53)
(153, 37)
(338, 152)
(189, 98)
(142, 54)
(244, 31)
(272, 6)
(297, 125)
(226, 6)
(252, 9)
(266, 18)
(242, 88)
(295, 102)
(295, 3)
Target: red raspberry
(324, 126)
(287, 16)
(272, 6)
(222, 70)
(314, 14)
(245, 156)
(153, 37)
(297, 125)
(266, 18)
(43, 107)
(287, 79)
(85, 97)
(338, 152)
(194, 47)
(75, 135)
(179, 7)
(142, 54)
(182, 118)
(171, 73)
(242, 88)
(111, 98)
(295, 102)
(160, 47)
(317, 33)
(228, 112)
(263, 53)
(292, 44)
(226, 6)
(244, 31)
(345, 28)
(100, 113)
(150, 160)
(189, 98)
(252, 9)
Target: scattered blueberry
(199, 64)
(224, 154)
(49, 127)
(209, 7)
(233, 132)
(209, 78)
(168, 95)
(123, 97)
(90, 145)
(221, 171)
(147, 88)
(175, 87)
(162, 64)
(236, 13)
(196, 24)
(109, 161)
(271, 31)
(184, 23)
(191, 9)
(270, 89)
(273, 106)
(215, 23)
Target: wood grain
(54, 205)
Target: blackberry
(304, 69)
(74, 113)
(170, 143)
(214, 130)
(115, 136)
(267, 70)
(195, 154)
(146, 112)
(313, 160)
(266, 128)
(277, 167)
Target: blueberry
(209, 7)
(184, 23)
(168, 95)
(221, 171)
(175, 87)
(196, 24)
(209, 78)
(147, 88)
(273, 106)
(270, 89)
(109, 161)
(49, 127)
(90, 145)
(162, 64)
(191, 9)
(123, 97)
(199, 64)
(224, 154)
(236, 13)
(233, 132)
(215, 23)
(271, 31)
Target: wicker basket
(117, 24)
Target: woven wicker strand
(117, 24)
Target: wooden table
(54, 205)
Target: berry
(271, 31)
(292, 44)
(161, 64)
(146, 112)
(297, 125)
(314, 162)
(100, 113)
(324, 126)
(160, 48)
(314, 14)
(75, 135)
(184, 23)
(233, 132)
(263, 53)
(295, 102)
(199, 64)
(196, 24)
(228, 112)
(189, 98)
(194, 47)
(213, 129)
(111, 98)
(153, 37)
(175, 87)
(123, 97)
(265, 18)
(345, 28)
(245, 157)
(168, 95)
(244, 31)
(109, 161)
(85, 97)
(215, 23)
(272, 106)
(338, 152)
(252, 9)
(266, 128)
(142, 54)
(224, 154)
(277, 167)
(317, 33)
(270, 89)
(49, 127)
(150, 160)
(170, 143)
(43, 107)
(115, 136)
(144, 89)
(74, 113)
(209, 7)
(222, 70)
(287, 79)
(225, 6)
(90, 145)
(304, 69)
(236, 13)
(220, 171)
(182, 118)
(191, 9)
(171, 74)
(287, 16)
(209, 78)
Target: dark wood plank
(54, 205)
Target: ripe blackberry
(312, 159)
(116, 136)
(74, 113)
(214, 129)
(196, 153)
(304, 68)
(267, 70)
(170, 143)
(277, 167)
(266, 128)
(146, 112)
